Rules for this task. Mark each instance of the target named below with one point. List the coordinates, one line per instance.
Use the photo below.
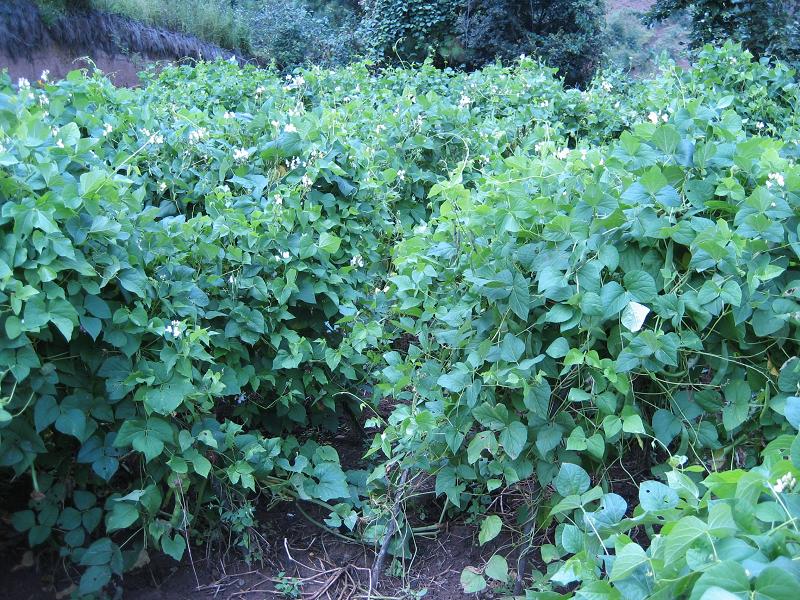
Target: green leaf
(94, 579)
(329, 242)
(776, 584)
(497, 568)
(455, 381)
(513, 439)
(122, 515)
(737, 396)
(628, 560)
(332, 482)
(571, 480)
(640, 285)
(23, 520)
(655, 496)
(633, 316)
(13, 327)
(558, 348)
(681, 537)
(167, 398)
(173, 546)
(519, 301)
(633, 424)
(481, 441)
(472, 581)
(72, 422)
(490, 529)
(512, 348)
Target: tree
(764, 27)
(568, 34)
(411, 29)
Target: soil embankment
(118, 46)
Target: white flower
(606, 86)
(44, 100)
(231, 280)
(401, 175)
(260, 90)
(380, 128)
(306, 181)
(197, 134)
(777, 178)
(290, 128)
(162, 187)
(357, 261)
(174, 329)
(241, 154)
(60, 144)
(562, 154)
(23, 83)
(760, 125)
(45, 75)
(786, 482)
(228, 115)
(107, 128)
(653, 117)
(275, 124)
(285, 254)
(464, 101)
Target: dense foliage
(765, 27)
(199, 278)
(567, 34)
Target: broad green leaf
(627, 561)
(472, 581)
(681, 537)
(571, 479)
(513, 439)
(490, 529)
(655, 496)
(497, 568)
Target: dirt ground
(322, 566)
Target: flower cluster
(241, 154)
(464, 101)
(775, 178)
(23, 84)
(152, 136)
(197, 135)
(294, 82)
(228, 115)
(655, 117)
(784, 483)
(357, 261)
(278, 199)
(175, 328)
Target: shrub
(764, 27)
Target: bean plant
(201, 278)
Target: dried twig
(391, 528)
